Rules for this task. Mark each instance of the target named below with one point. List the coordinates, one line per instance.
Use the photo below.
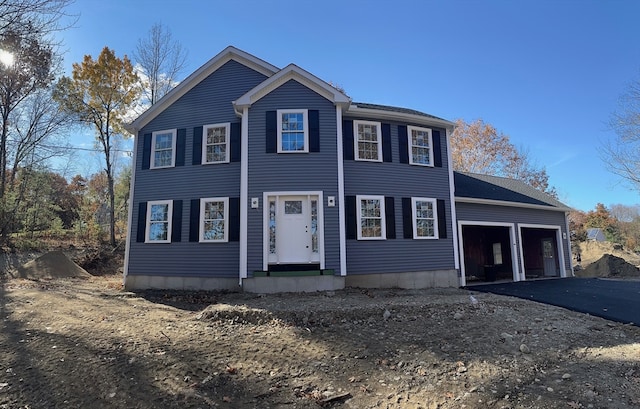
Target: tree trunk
(112, 213)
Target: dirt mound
(609, 266)
(54, 264)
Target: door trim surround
(559, 244)
(517, 276)
(265, 222)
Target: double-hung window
(159, 215)
(371, 217)
(293, 131)
(163, 149)
(425, 218)
(214, 219)
(420, 146)
(368, 141)
(215, 143)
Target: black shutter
(314, 130)
(407, 218)
(437, 151)
(351, 217)
(176, 222)
(146, 151)
(271, 135)
(194, 221)
(442, 222)
(403, 144)
(347, 139)
(386, 143)
(390, 217)
(197, 146)
(181, 142)
(234, 219)
(235, 142)
(142, 222)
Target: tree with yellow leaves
(478, 147)
(100, 94)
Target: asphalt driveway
(616, 300)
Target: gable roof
(229, 53)
(476, 188)
(291, 72)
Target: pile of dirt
(54, 264)
(609, 266)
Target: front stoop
(296, 284)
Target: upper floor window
(163, 149)
(420, 146)
(215, 141)
(371, 217)
(293, 131)
(214, 219)
(159, 215)
(425, 220)
(368, 141)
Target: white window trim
(225, 200)
(410, 144)
(383, 230)
(305, 124)
(355, 140)
(147, 239)
(414, 218)
(227, 127)
(173, 133)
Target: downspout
(244, 193)
(127, 248)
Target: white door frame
(265, 223)
(559, 244)
(517, 275)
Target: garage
(509, 231)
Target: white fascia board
(229, 53)
(354, 110)
(296, 73)
(511, 204)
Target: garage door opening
(540, 253)
(488, 253)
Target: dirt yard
(84, 343)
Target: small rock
(525, 349)
(386, 314)
(505, 336)
(457, 316)
(549, 389)
(566, 376)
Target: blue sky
(548, 73)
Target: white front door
(293, 223)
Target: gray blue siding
(273, 172)
(475, 212)
(208, 102)
(399, 180)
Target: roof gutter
(393, 115)
(511, 204)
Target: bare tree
(160, 59)
(622, 153)
(41, 17)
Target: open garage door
(488, 253)
(541, 252)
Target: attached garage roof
(472, 187)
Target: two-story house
(266, 179)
